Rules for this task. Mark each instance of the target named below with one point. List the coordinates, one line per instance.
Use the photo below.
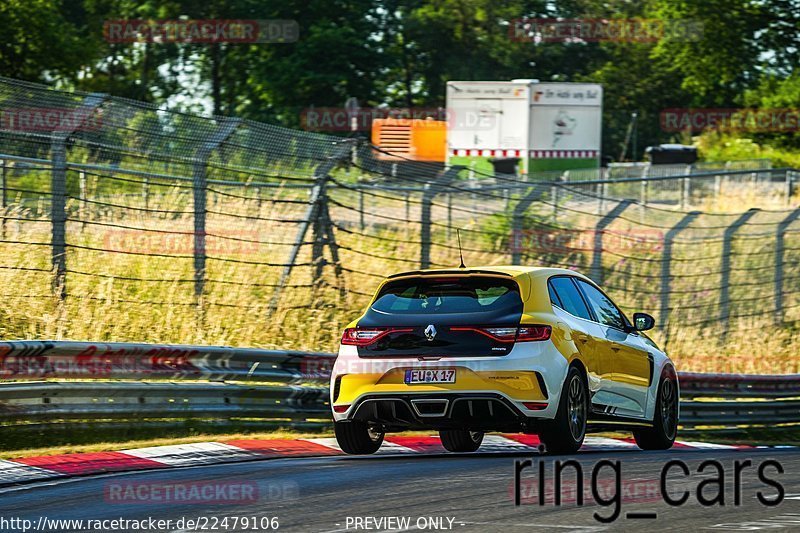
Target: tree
(337, 56)
(39, 42)
(722, 62)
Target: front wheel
(565, 433)
(665, 419)
(357, 438)
(459, 440)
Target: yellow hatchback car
(515, 349)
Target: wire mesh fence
(122, 221)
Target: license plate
(441, 375)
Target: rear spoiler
(460, 272)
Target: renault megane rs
(515, 349)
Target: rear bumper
(495, 386)
(478, 411)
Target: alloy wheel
(669, 408)
(576, 408)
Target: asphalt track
(475, 491)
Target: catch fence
(125, 221)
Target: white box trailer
(548, 126)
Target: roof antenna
(460, 254)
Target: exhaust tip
(430, 407)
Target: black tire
(565, 433)
(665, 419)
(357, 438)
(460, 440)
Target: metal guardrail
(136, 381)
(735, 400)
(149, 381)
(733, 386)
(26, 360)
(115, 400)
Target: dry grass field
(130, 270)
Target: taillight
(520, 334)
(366, 336)
(496, 334)
(533, 333)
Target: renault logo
(430, 332)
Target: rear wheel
(665, 419)
(460, 440)
(565, 433)
(357, 438)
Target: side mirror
(643, 321)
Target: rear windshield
(436, 296)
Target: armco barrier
(136, 381)
(20, 360)
(733, 400)
(113, 400)
(45, 381)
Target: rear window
(437, 296)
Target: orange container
(415, 139)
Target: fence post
(787, 187)
(600, 199)
(324, 236)
(3, 198)
(146, 192)
(82, 194)
(449, 215)
(779, 251)
(58, 190)
(725, 270)
(319, 232)
(518, 218)
(317, 207)
(666, 263)
(361, 207)
(686, 191)
(554, 200)
(430, 190)
(58, 213)
(199, 192)
(602, 224)
(644, 191)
